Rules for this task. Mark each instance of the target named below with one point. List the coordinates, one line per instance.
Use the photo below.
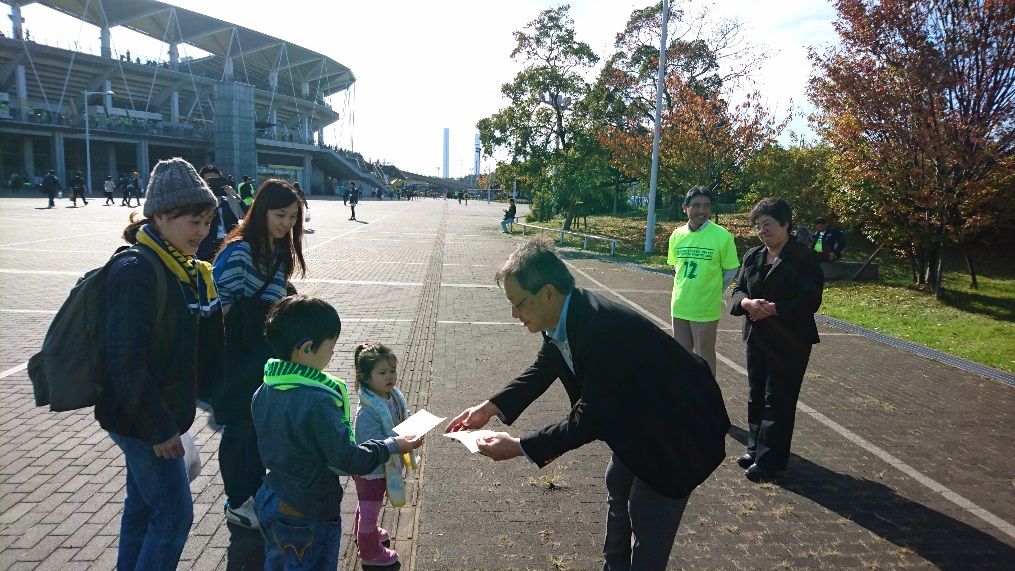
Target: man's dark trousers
(636, 510)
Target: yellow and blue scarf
(193, 273)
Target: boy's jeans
(158, 510)
(292, 542)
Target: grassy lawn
(976, 324)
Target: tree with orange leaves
(703, 138)
(918, 103)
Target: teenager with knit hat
(150, 394)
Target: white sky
(424, 66)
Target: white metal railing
(585, 237)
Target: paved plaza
(899, 461)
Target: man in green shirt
(705, 261)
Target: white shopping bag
(191, 457)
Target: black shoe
(746, 460)
(758, 474)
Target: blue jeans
(158, 509)
(292, 542)
(504, 224)
(641, 523)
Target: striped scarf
(285, 375)
(193, 273)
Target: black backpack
(70, 370)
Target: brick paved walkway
(899, 462)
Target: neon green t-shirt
(699, 260)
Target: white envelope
(469, 437)
(418, 424)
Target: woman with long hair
(252, 271)
(150, 393)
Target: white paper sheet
(418, 424)
(469, 437)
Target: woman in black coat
(778, 292)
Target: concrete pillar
(227, 69)
(174, 107)
(305, 127)
(107, 99)
(59, 157)
(273, 80)
(28, 150)
(105, 42)
(143, 166)
(308, 174)
(22, 90)
(320, 137)
(305, 88)
(111, 160)
(17, 21)
(273, 119)
(174, 57)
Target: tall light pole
(650, 226)
(88, 140)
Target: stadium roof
(258, 53)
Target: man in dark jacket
(630, 384)
(228, 213)
(828, 240)
(77, 189)
(50, 186)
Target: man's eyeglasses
(519, 305)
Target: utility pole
(650, 225)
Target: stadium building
(247, 102)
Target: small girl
(381, 408)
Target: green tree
(800, 173)
(545, 111)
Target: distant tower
(478, 149)
(446, 136)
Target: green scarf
(285, 375)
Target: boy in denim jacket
(302, 418)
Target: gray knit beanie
(174, 183)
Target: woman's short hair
(776, 208)
(535, 264)
(297, 318)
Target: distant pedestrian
(353, 199)
(121, 185)
(51, 186)
(107, 188)
(77, 189)
(828, 240)
(15, 182)
(509, 215)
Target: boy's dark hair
(365, 358)
(299, 317)
(697, 191)
(820, 220)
